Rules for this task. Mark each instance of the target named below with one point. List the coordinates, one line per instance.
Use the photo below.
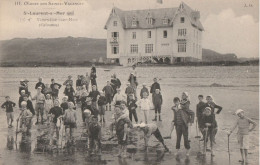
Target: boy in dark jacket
(157, 102)
(8, 105)
(64, 105)
(94, 135)
(208, 124)
(199, 112)
(109, 92)
(154, 86)
(182, 117)
(102, 101)
(131, 105)
(29, 104)
(144, 89)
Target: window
(115, 34)
(182, 32)
(148, 48)
(149, 34)
(115, 23)
(182, 47)
(134, 22)
(115, 49)
(182, 19)
(166, 44)
(134, 49)
(134, 35)
(165, 21)
(150, 21)
(165, 34)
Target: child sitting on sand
(145, 105)
(243, 124)
(8, 105)
(149, 130)
(94, 135)
(208, 126)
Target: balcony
(114, 40)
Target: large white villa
(167, 35)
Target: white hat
(87, 111)
(39, 88)
(23, 91)
(239, 111)
(23, 103)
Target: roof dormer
(165, 20)
(134, 21)
(149, 19)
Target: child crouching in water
(208, 124)
(243, 124)
(149, 130)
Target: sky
(230, 27)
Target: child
(48, 105)
(149, 130)
(182, 117)
(154, 86)
(94, 135)
(55, 112)
(78, 94)
(157, 102)
(145, 105)
(8, 105)
(55, 91)
(144, 89)
(102, 106)
(243, 124)
(94, 94)
(89, 105)
(199, 112)
(93, 77)
(40, 84)
(132, 108)
(70, 123)
(64, 104)
(121, 131)
(119, 96)
(69, 81)
(129, 90)
(208, 126)
(29, 104)
(47, 90)
(70, 92)
(21, 98)
(79, 82)
(25, 118)
(109, 94)
(39, 106)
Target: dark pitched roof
(158, 15)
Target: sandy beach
(232, 87)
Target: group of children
(94, 103)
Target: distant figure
(133, 83)
(93, 77)
(94, 94)
(79, 81)
(102, 101)
(40, 84)
(29, 104)
(24, 86)
(93, 68)
(157, 102)
(154, 86)
(131, 104)
(115, 83)
(144, 89)
(69, 81)
(109, 92)
(39, 106)
(199, 112)
(243, 124)
(70, 92)
(85, 80)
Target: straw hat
(239, 111)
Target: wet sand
(239, 90)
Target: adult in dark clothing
(29, 104)
(154, 86)
(40, 84)
(79, 81)
(53, 83)
(199, 111)
(115, 83)
(24, 86)
(93, 77)
(70, 92)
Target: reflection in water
(10, 142)
(25, 143)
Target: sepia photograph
(129, 82)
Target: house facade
(167, 35)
